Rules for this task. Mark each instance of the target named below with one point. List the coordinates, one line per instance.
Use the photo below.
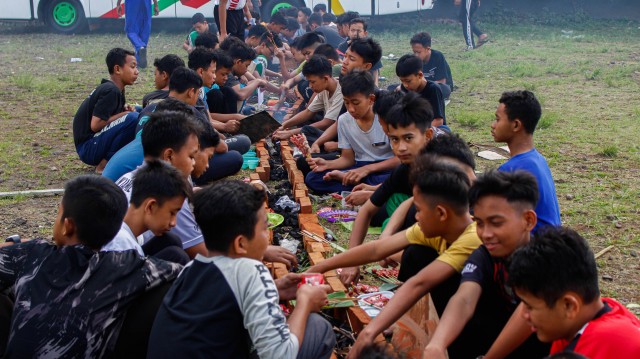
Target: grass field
(587, 76)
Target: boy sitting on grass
(503, 207)
(268, 49)
(164, 68)
(409, 70)
(557, 278)
(434, 66)
(104, 123)
(516, 119)
(444, 228)
(200, 26)
(366, 153)
(225, 303)
(71, 299)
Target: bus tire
(66, 16)
(271, 6)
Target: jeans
(104, 144)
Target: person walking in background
(468, 9)
(137, 25)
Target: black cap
(198, 17)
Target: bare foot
(100, 167)
(334, 175)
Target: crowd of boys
(151, 258)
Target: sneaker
(143, 57)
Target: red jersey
(615, 334)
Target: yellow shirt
(457, 253)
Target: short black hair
(117, 56)
(242, 52)
(230, 41)
(385, 100)
(320, 7)
(292, 24)
(522, 105)
(207, 40)
(359, 20)
(198, 17)
(357, 82)
(224, 60)
(268, 36)
(167, 129)
(201, 58)
(346, 17)
(556, 261)
(208, 137)
(517, 187)
(412, 109)
(225, 210)
(305, 10)
(315, 18)
(422, 38)
(290, 12)
(257, 31)
(183, 79)
(278, 19)
(173, 104)
(327, 51)
(368, 48)
(408, 65)
(309, 39)
(158, 180)
(452, 146)
(440, 181)
(96, 206)
(317, 65)
(329, 17)
(168, 63)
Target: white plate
(368, 308)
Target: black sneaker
(143, 57)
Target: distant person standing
(468, 9)
(137, 25)
(230, 20)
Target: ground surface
(587, 76)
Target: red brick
(358, 319)
(254, 176)
(336, 284)
(262, 173)
(300, 186)
(312, 227)
(299, 194)
(315, 247)
(315, 258)
(307, 218)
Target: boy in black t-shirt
(503, 207)
(101, 125)
(434, 66)
(164, 68)
(409, 70)
(71, 298)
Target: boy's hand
(282, 134)
(278, 53)
(288, 286)
(434, 353)
(317, 164)
(350, 275)
(156, 10)
(129, 108)
(119, 9)
(364, 187)
(280, 255)
(331, 146)
(358, 198)
(355, 176)
(231, 126)
(315, 148)
(313, 295)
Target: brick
(330, 274)
(262, 152)
(284, 143)
(307, 218)
(315, 247)
(358, 319)
(262, 174)
(254, 176)
(313, 228)
(299, 194)
(305, 205)
(280, 270)
(267, 167)
(315, 258)
(336, 284)
(301, 187)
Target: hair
(278, 19)
(452, 146)
(329, 17)
(317, 65)
(345, 18)
(518, 187)
(197, 17)
(207, 40)
(422, 38)
(385, 100)
(268, 36)
(357, 82)
(327, 51)
(291, 11)
(201, 58)
(117, 56)
(412, 109)
(231, 41)
(167, 129)
(173, 104)
(408, 65)
(522, 105)
(208, 137)
(320, 7)
(224, 60)
(96, 206)
(306, 11)
(255, 15)
(309, 39)
(226, 210)
(556, 261)
(379, 351)
(241, 52)
(292, 24)
(315, 18)
(440, 182)
(368, 49)
(168, 63)
(257, 31)
(359, 20)
(183, 79)
(158, 180)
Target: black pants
(235, 22)
(167, 247)
(469, 28)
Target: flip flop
(482, 42)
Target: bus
(74, 16)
